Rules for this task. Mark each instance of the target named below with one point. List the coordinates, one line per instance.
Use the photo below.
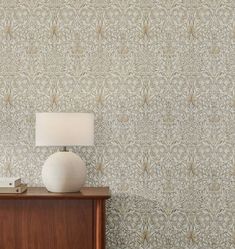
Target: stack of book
(12, 185)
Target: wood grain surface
(53, 221)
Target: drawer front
(46, 224)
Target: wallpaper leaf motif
(159, 76)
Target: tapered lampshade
(64, 129)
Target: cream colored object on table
(64, 171)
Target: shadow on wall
(138, 222)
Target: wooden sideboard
(38, 219)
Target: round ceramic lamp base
(64, 172)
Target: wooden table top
(88, 193)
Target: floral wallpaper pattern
(160, 77)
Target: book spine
(10, 183)
(20, 189)
(17, 190)
(6, 190)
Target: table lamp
(64, 171)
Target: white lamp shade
(64, 129)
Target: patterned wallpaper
(159, 76)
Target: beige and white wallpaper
(160, 77)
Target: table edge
(42, 193)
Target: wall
(159, 76)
